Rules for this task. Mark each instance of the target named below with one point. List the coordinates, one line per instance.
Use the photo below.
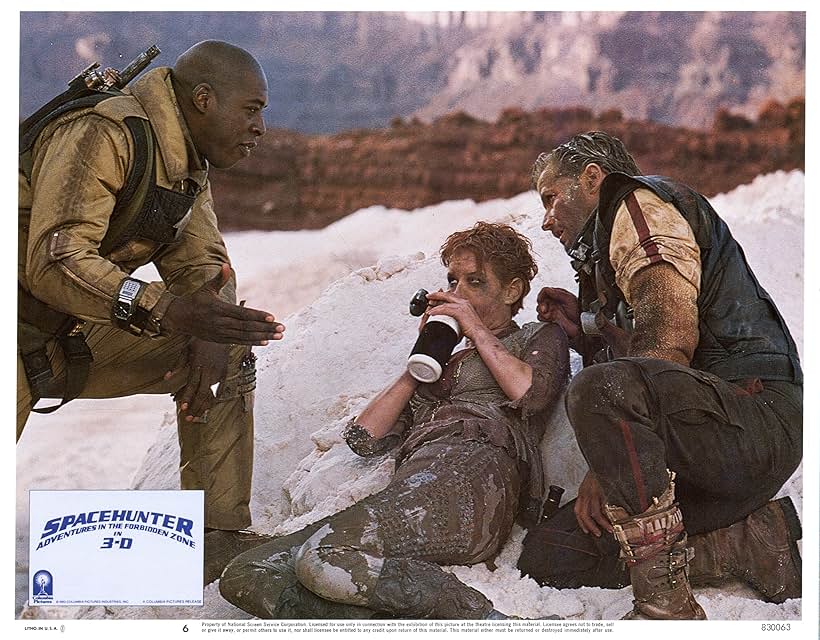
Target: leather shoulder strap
(141, 177)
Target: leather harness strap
(45, 323)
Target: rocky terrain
(410, 109)
(330, 71)
(327, 71)
(671, 67)
(298, 181)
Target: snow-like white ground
(343, 293)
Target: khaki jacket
(80, 163)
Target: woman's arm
(547, 352)
(514, 376)
(382, 412)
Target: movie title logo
(118, 522)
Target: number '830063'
(775, 626)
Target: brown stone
(297, 181)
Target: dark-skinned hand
(207, 364)
(204, 315)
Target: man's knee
(603, 389)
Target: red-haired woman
(467, 465)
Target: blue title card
(116, 547)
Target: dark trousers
(732, 446)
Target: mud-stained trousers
(216, 456)
(450, 502)
(732, 446)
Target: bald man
(87, 328)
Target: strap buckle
(75, 349)
(77, 329)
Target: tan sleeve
(199, 255)
(647, 231)
(76, 175)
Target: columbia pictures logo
(42, 587)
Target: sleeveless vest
(742, 334)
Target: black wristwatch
(125, 311)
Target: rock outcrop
(297, 181)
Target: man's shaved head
(221, 91)
(219, 64)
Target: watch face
(130, 288)
(122, 310)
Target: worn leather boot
(653, 546)
(761, 550)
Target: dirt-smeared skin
(666, 315)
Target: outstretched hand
(204, 315)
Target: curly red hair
(508, 253)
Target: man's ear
(202, 96)
(591, 178)
(513, 291)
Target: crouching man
(689, 408)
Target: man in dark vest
(87, 328)
(689, 408)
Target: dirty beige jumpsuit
(468, 465)
(81, 161)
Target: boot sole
(795, 533)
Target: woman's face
(478, 283)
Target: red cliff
(296, 181)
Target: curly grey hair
(570, 158)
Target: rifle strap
(78, 359)
(132, 197)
